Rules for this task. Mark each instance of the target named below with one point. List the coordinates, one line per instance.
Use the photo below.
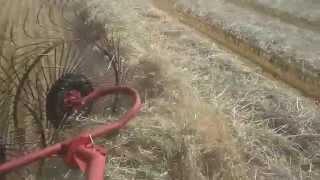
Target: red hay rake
(80, 152)
(50, 80)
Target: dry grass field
(208, 113)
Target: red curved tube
(100, 131)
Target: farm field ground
(209, 112)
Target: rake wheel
(39, 111)
(39, 77)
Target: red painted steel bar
(103, 130)
(29, 158)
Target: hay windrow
(205, 116)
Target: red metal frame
(80, 151)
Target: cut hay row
(207, 114)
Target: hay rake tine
(38, 16)
(47, 43)
(24, 27)
(15, 70)
(39, 123)
(51, 68)
(40, 127)
(28, 97)
(24, 78)
(46, 66)
(55, 63)
(61, 58)
(31, 90)
(69, 48)
(45, 86)
(29, 52)
(12, 36)
(8, 78)
(44, 90)
(29, 94)
(44, 75)
(76, 57)
(77, 65)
